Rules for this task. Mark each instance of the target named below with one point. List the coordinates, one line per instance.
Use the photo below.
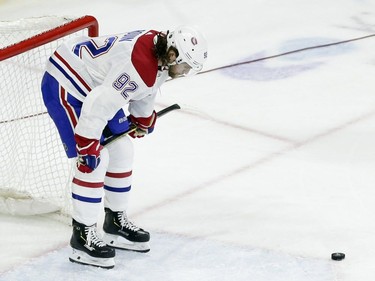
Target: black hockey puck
(338, 256)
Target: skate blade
(82, 258)
(119, 242)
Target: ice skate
(120, 233)
(88, 248)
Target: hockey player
(89, 87)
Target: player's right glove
(144, 125)
(88, 153)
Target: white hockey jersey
(107, 73)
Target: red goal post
(78, 24)
(35, 173)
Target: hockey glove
(88, 151)
(144, 125)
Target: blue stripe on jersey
(117, 189)
(67, 76)
(86, 199)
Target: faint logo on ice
(292, 58)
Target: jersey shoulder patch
(143, 58)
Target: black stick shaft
(132, 128)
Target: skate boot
(89, 248)
(120, 233)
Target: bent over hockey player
(89, 87)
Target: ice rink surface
(268, 167)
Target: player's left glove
(88, 151)
(144, 125)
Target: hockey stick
(132, 128)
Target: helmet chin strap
(163, 67)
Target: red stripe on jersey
(88, 184)
(80, 79)
(144, 59)
(119, 175)
(68, 108)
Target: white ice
(268, 167)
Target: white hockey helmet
(191, 46)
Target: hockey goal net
(35, 173)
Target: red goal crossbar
(88, 22)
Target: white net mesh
(33, 162)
